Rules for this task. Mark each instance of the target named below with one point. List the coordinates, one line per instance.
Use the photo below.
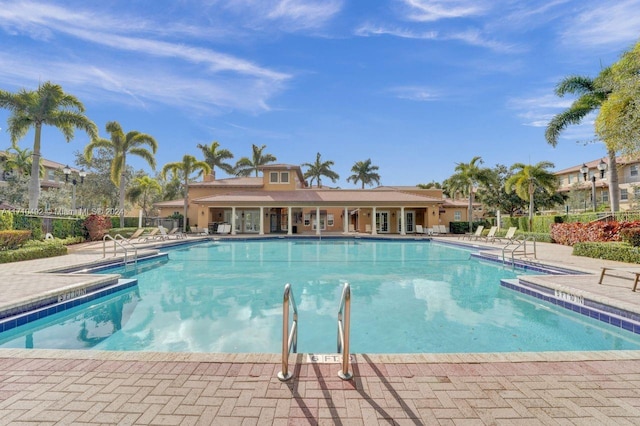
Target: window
(569, 179)
(633, 170)
(457, 215)
(284, 177)
(51, 175)
(329, 220)
(636, 192)
(307, 219)
(624, 195)
(605, 196)
(273, 177)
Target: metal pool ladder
(121, 244)
(344, 325)
(520, 248)
(291, 337)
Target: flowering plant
(97, 226)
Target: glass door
(382, 222)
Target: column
(233, 220)
(374, 231)
(317, 220)
(345, 220)
(403, 225)
(261, 220)
(289, 222)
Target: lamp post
(74, 182)
(584, 170)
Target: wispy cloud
(414, 93)
(609, 23)
(367, 30)
(434, 10)
(214, 79)
(301, 14)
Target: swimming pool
(407, 297)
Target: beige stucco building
(281, 202)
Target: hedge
(34, 250)
(63, 228)
(6, 220)
(11, 240)
(29, 223)
(621, 252)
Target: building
(281, 202)
(582, 181)
(51, 179)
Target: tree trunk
(614, 190)
(34, 182)
(531, 206)
(122, 187)
(470, 208)
(186, 205)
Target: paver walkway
(92, 387)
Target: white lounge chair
(475, 235)
(419, 229)
(509, 236)
(490, 236)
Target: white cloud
(300, 14)
(367, 30)
(434, 10)
(609, 23)
(414, 93)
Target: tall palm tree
(364, 172)
(142, 192)
(527, 178)
(592, 93)
(245, 166)
(214, 157)
(121, 145)
(51, 106)
(318, 169)
(467, 176)
(188, 166)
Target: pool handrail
(116, 242)
(344, 325)
(289, 338)
(520, 241)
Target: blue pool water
(407, 297)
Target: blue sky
(416, 85)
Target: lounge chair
(176, 232)
(150, 236)
(442, 229)
(508, 237)
(490, 236)
(135, 235)
(474, 235)
(419, 229)
(635, 271)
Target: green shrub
(33, 250)
(542, 237)
(129, 221)
(6, 220)
(621, 252)
(63, 228)
(11, 240)
(630, 236)
(463, 227)
(29, 223)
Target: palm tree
(215, 157)
(121, 145)
(591, 95)
(20, 161)
(142, 192)
(246, 165)
(527, 178)
(467, 176)
(364, 172)
(49, 105)
(188, 166)
(319, 169)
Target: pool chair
(136, 235)
(149, 236)
(508, 237)
(419, 229)
(490, 236)
(442, 229)
(175, 232)
(474, 235)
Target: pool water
(406, 297)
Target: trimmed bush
(6, 220)
(621, 252)
(63, 228)
(33, 250)
(29, 223)
(11, 240)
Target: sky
(417, 86)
